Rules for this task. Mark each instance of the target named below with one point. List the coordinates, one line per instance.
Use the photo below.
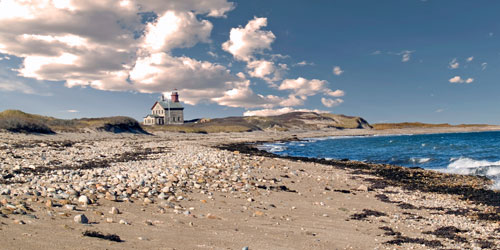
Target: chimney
(175, 96)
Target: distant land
(20, 122)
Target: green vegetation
(285, 122)
(20, 122)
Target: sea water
(462, 153)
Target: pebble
(83, 200)
(124, 222)
(70, 207)
(81, 218)
(362, 188)
(114, 210)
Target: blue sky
(387, 60)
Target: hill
(21, 122)
(284, 122)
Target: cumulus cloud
(176, 30)
(469, 59)
(266, 70)
(454, 64)
(336, 93)
(331, 102)
(458, 79)
(245, 41)
(107, 45)
(303, 87)
(280, 111)
(337, 71)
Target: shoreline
(182, 191)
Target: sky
(432, 61)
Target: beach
(217, 191)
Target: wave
(468, 166)
(420, 160)
(272, 148)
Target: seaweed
(95, 234)
(366, 213)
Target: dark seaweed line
(408, 178)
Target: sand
(222, 199)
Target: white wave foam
(420, 160)
(468, 166)
(272, 148)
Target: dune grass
(20, 122)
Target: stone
(49, 203)
(81, 218)
(109, 220)
(148, 201)
(19, 222)
(114, 210)
(84, 200)
(70, 207)
(124, 222)
(362, 188)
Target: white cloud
(458, 79)
(105, 45)
(454, 64)
(469, 59)
(245, 41)
(337, 71)
(484, 66)
(265, 70)
(336, 93)
(243, 96)
(72, 111)
(280, 111)
(331, 102)
(376, 52)
(17, 87)
(303, 87)
(439, 110)
(405, 55)
(304, 63)
(176, 30)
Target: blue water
(462, 153)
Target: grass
(20, 122)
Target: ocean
(475, 153)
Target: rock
(81, 218)
(70, 207)
(148, 201)
(110, 197)
(5, 191)
(244, 248)
(84, 200)
(162, 196)
(362, 188)
(49, 203)
(124, 222)
(114, 210)
(109, 220)
(259, 213)
(19, 222)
